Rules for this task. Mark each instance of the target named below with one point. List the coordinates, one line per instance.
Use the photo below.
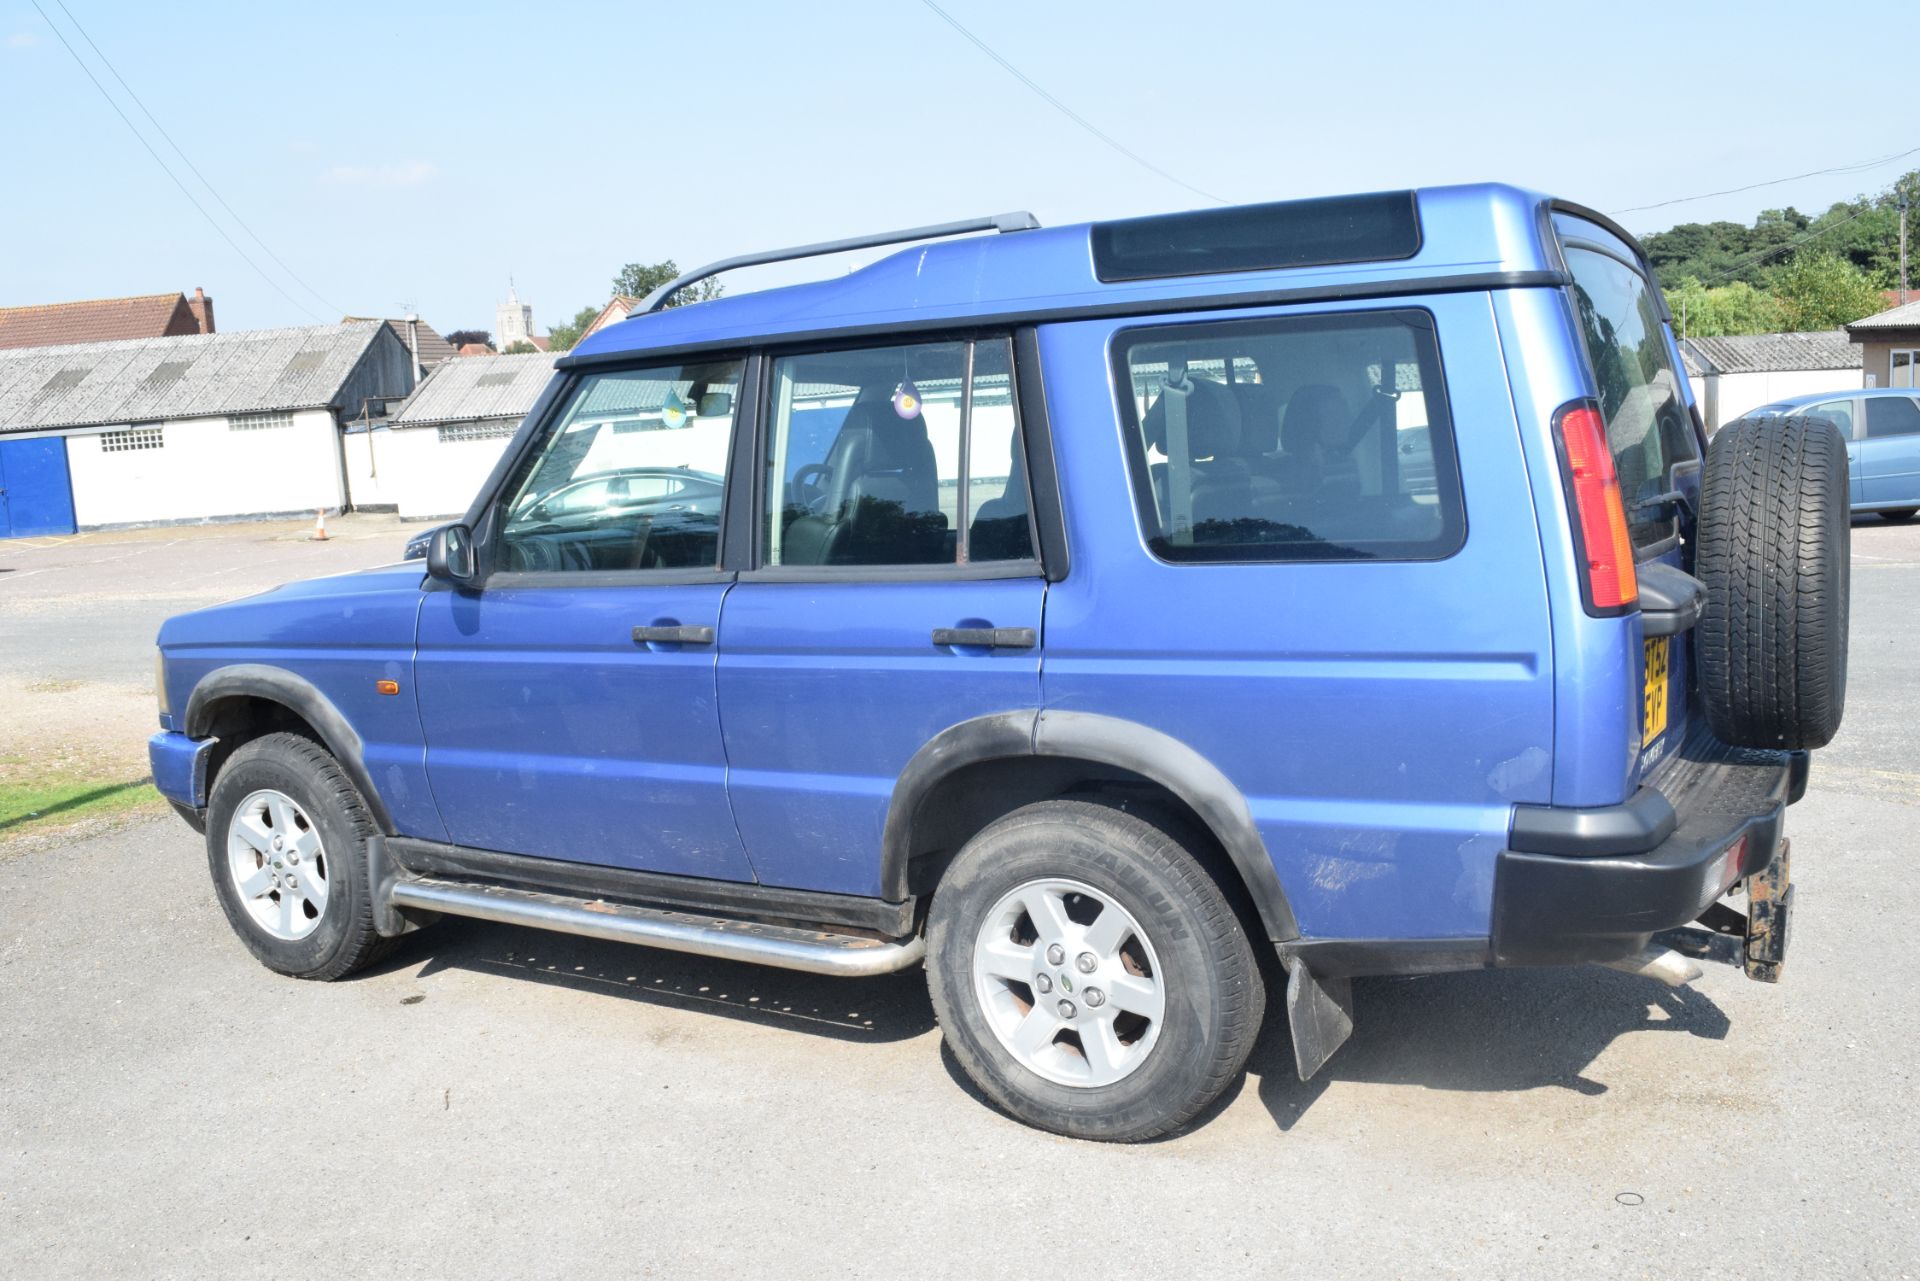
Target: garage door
(35, 495)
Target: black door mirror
(450, 555)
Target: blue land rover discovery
(1112, 618)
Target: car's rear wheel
(1900, 514)
(286, 843)
(1773, 552)
(1089, 975)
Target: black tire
(1214, 995)
(1900, 515)
(1774, 534)
(344, 940)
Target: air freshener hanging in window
(906, 400)
(673, 412)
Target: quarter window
(629, 475)
(900, 455)
(1304, 438)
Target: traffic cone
(319, 525)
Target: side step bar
(784, 946)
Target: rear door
(1890, 452)
(1845, 414)
(1656, 452)
(895, 593)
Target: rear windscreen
(1382, 227)
(1640, 390)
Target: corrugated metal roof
(473, 389)
(1907, 317)
(1771, 353)
(194, 376)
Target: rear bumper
(1595, 885)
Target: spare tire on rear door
(1773, 549)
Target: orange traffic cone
(319, 525)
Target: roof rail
(1019, 220)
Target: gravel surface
(499, 1102)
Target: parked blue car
(1882, 430)
(1112, 618)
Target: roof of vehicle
(1810, 398)
(1473, 236)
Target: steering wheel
(810, 476)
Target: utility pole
(1903, 246)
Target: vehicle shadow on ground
(1489, 1030)
(892, 1007)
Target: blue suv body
(1280, 530)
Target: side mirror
(450, 555)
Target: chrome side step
(787, 947)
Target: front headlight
(160, 681)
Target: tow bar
(1761, 930)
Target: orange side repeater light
(387, 687)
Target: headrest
(1213, 421)
(1316, 420)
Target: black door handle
(674, 635)
(986, 637)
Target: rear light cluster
(1599, 514)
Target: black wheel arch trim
(1106, 740)
(304, 699)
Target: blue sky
(412, 153)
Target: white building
(1731, 376)
(430, 457)
(188, 429)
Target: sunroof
(1380, 227)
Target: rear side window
(1892, 416)
(1297, 438)
(1836, 412)
(1648, 426)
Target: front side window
(898, 455)
(1837, 412)
(1304, 438)
(1892, 416)
(1648, 425)
(629, 474)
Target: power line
(1067, 111)
(231, 243)
(105, 61)
(1861, 167)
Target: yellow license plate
(1655, 719)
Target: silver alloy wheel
(277, 864)
(1069, 983)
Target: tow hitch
(1758, 936)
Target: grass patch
(38, 804)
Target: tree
(638, 279)
(520, 347)
(1824, 290)
(1738, 308)
(461, 337)
(562, 337)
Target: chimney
(202, 308)
(413, 345)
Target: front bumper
(1711, 816)
(179, 767)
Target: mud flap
(1320, 1014)
(389, 921)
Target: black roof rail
(1018, 220)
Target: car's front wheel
(1089, 975)
(286, 843)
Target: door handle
(674, 635)
(986, 637)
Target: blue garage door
(35, 494)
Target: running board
(784, 946)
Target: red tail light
(1600, 517)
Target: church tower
(512, 321)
